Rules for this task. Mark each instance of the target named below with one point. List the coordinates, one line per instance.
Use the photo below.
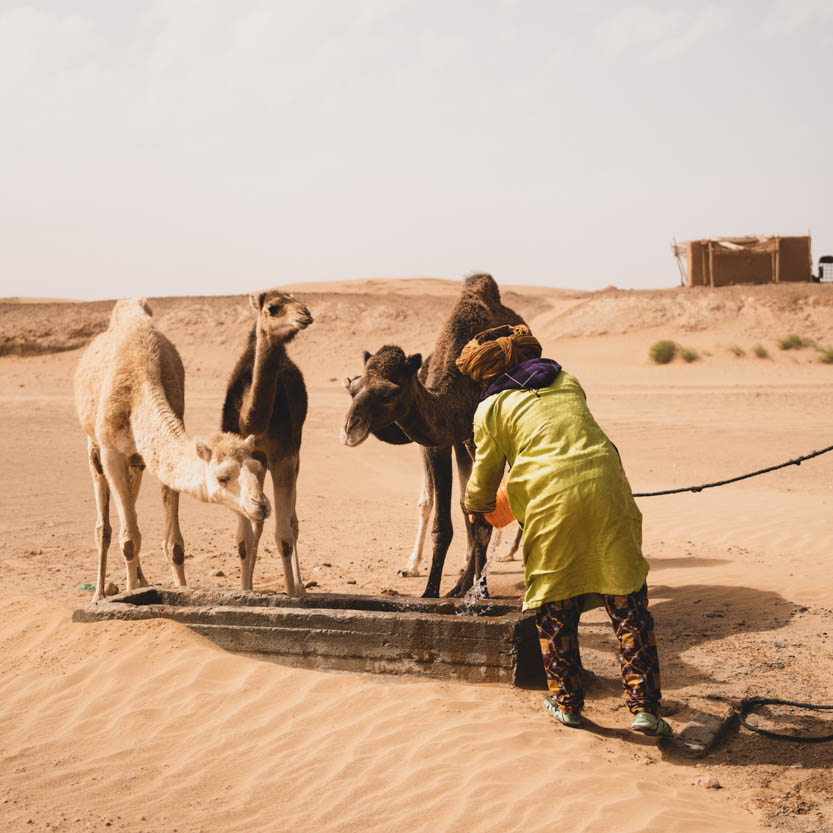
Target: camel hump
(484, 287)
(127, 308)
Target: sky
(180, 147)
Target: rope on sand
(751, 703)
(796, 462)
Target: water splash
(478, 591)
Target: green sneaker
(567, 718)
(651, 724)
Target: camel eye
(274, 309)
(388, 394)
(222, 479)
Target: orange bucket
(501, 515)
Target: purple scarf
(528, 375)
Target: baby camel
(130, 398)
(266, 398)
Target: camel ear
(256, 300)
(249, 442)
(413, 363)
(365, 356)
(346, 381)
(203, 451)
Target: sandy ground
(147, 727)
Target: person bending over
(582, 530)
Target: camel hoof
(430, 593)
(111, 589)
(504, 558)
(408, 573)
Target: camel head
(279, 316)
(232, 475)
(383, 393)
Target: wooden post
(680, 266)
(776, 260)
(711, 264)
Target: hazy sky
(198, 146)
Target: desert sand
(145, 726)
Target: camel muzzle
(260, 510)
(353, 435)
(303, 319)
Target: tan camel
(436, 412)
(130, 398)
(267, 398)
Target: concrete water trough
(483, 641)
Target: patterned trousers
(638, 660)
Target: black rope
(751, 703)
(797, 462)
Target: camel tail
(484, 286)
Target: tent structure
(729, 260)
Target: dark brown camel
(266, 397)
(394, 435)
(437, 412)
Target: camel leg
(115, 469)
(284, 475)
(426, 506)
(103, 531)
(510, 556)
(135, 469)
(439, 464)
(478, 531)
(296, 562)
(174, 543)
(248, 540)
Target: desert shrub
(688, 355)
(826, 355)
(760, 351)
(662, 352)
(794, 342)
(736, 350)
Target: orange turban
(495, 351)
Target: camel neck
(168, 451)
(259, 400)
(435, 419)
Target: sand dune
(150, 727)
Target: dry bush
(795, 342)
(760, 351)
(662, 352)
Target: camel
(394, 435)
(437, 413)
(130, 399)
(266, 397)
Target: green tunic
(566, 486)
